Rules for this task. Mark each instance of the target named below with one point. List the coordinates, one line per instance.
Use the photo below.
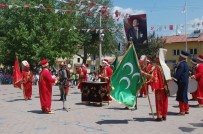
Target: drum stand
(63, 97)
(65, 109)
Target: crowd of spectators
(6, 75)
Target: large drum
(173, 87)
(94, 92)
(192, 86)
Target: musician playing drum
(182, 78)
(199, 77)
(105, 75)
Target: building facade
(174, 44)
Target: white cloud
(195, 24)
(127, 10)
(196, 20)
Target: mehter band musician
(27, 79)
(105, 75)
(45, 87)
(182, 78)
(199, 77)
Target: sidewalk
(18, 116)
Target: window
(176, 52)
(78, 60)
(193, 51)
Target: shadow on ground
(117, 108)
(36, 112)
(186, 129)
(16, 100)
(197, 124)
(143, 119)
(112, 122)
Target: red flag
(170, 27)
(17, 76)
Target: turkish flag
(17, 76)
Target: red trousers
(194, 95)
(143, 90)
(184, 107)
(161, 103)
(200, 101)
(67, 89)
(27, 90)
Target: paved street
(18, 116)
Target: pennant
(71, 3)
(17, 76)
(26, 6)
(107, 15)
(170, 27)
(3, 6)
(126, 79)
(68, 11)
(10, 6)
(89, 13)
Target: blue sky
(165, 13)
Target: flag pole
(147, 87)
(150, 103)
(186, 47)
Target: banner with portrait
(136, 30)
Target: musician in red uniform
(199, 77)
(45, 87)
(105, 75)
(143, 64)
(27, 79)
(147, 67)
(82, 76)
(161, 98)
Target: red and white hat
(83, 65)
(105, 61)
(25, 63)
(148, 59)
(44, 63)
(143, 57)
(200, 58)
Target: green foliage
(35, 33)
(92, 39)
(154, 43)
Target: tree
(154, 43)
(91, 40)
(36, 33)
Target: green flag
(126, 80)
(115, 63)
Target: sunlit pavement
(18, 116)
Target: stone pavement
(18, 116)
